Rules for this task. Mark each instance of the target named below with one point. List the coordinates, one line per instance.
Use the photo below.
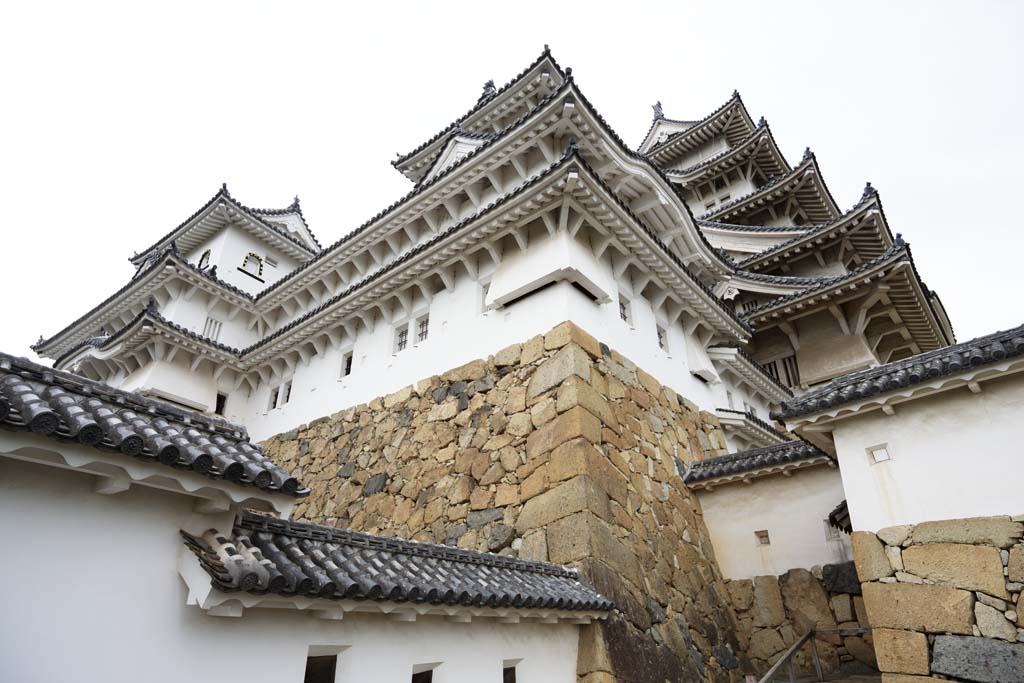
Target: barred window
(401, 338)
(422, 328)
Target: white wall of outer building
(954, 454)
(94, 595)
(791, 509)
(461, 331)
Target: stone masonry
(774, 611)
(557, 449)
(944, 598)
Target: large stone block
(909, 678)
(842, 608)
(567, 333)
(978, 659)
(571, 360)
(861, 651)
(573, 496)
(765, 643)
(971, 567)
(869, 556)
(579, 456)
(583, 534)
(574, 423)
(919, 607)
(895, 535)
(578, 392)
(903, 652)
(768, 609)
(841, 578)
(1001, 532)
(993, 624)
(805, 601)
(1016, 564)
(741, 593)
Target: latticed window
(624, 309)
(401, 338)
(422, 328)
(662, 340)
(785, 370)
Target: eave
(749, 428)
(759, 149)
(804, 185)
(863, 230)
(222, 210)
(543, 73)
(786, 470)
(731, 119)
(134, 296)
(749, 372)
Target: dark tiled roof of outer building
(270, 555)
(909, 371)
(754, 459)
(840, 518)
(68, 407)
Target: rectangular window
(211, 330)
(401, 338)
(762, 537)
(710, 205)
(879, 454)
(320, 669)
(222, 400)
(662, 339)
(423, 677)
(346, 364)
(422, 328)
(831, 533)
(508, 674)
(624, 311)
(286, 392)
(272, 403)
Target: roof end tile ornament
(489, 91)
(869, 190)
(659, 113)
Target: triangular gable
(221, 209)
(458, 147)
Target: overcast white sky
(119, 119)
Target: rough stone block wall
(944, 598)
(775, 611)
(557, 449)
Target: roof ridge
(733, 99)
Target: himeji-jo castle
(607, 393)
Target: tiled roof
(733, 100)
(718, 225)
(813, 230)
(898, 251)
(484, 99)
(223, 195)
(67, 407)
(750, 359)
(754, 459)
(270, 555)
(907, 372)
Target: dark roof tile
(68, 407)
(909, 371)
(269, 555)
(754, 459)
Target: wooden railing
(787, 658)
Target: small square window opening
(422, 328)
(346, 364)
(222, 400)
(762, 537)
(320, 669)
(879, 453)
(662, 339)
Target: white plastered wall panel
(791, 509)
(95, 597)
(954, 454)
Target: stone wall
(943, 598)
(774, 611)
(557, 449)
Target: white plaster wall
(229, 248)
(954, 454)
(460, 332)
(792, 510)
(91, 593)
(174, 381)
